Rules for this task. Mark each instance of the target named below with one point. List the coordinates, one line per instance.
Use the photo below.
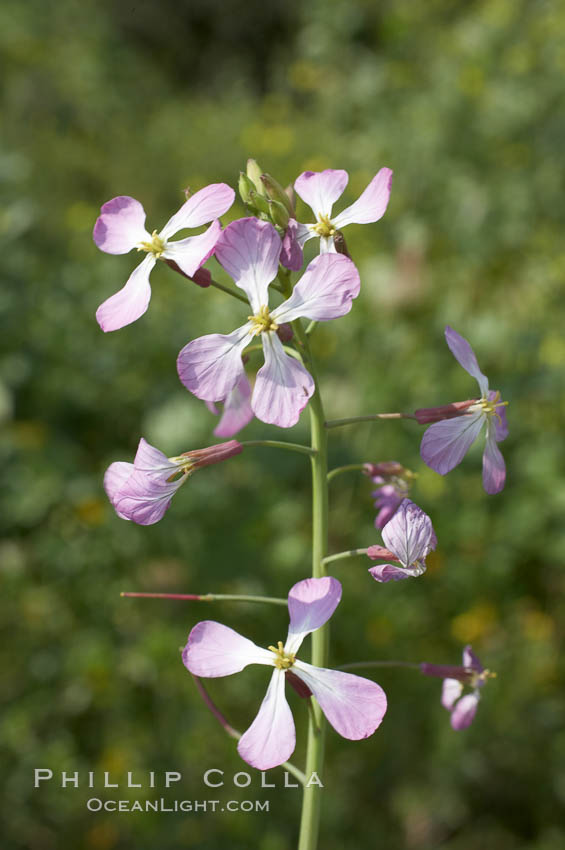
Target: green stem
(337, 423)
(277, 444)
(209, 597)
(350, 467)
(341, 556)
(230, 291)
(356, 665)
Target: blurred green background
(465, 102)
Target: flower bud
(279, 214)
(260, 203)
(275, 192)
(254, 172)
(245, 186)
(285, 332)
(340, 244)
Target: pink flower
(121, 227)
(472, 674)
(320, 190)
(353, 706)
(446, 442)
(142, 491)
(409, 537)
(237, 412)
(211, 366)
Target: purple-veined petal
(494, 468)
(271, 738)
(451, 690)
(249, 251)
(144, 499)
(237, 411)
(445, 443)
(325, 290)
(205, 205)
(292, 255)
(311, 603)
(190, 253)
(465, 356)
(371, 204)
(464, 711)
(211, 365)
(500, 420)
(409, 534)
(471, 661)
(214, 650)
(130, 302)
(353, 705)
(120, 226)
(321, 189)
(152, 462)
(387, 572)
(282, 386)
(114, 479)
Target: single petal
(114, 479)
(249, 251)
(451, 690)
(144, 499)
(327, 245)
(500, 420)
(204, 206)
(214, 650)
(409, 533)
(237, 409)
(211, 365)
(353, 705)
(321, 189)
(387, 572)
(494, 468)
(292, 255)
(271, 738)
(311, 603)
(282, 387)
(445, 443)
(371, 204)
(130, 302)
(465, 356)
(470, 660)
(152, 462)
(325, 290)
(464, 712)
(120, 226)
(190, 253)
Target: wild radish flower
(142, 491)
(394, 486)
(472, 674)
(353, 706)
(409, 538)
(237, 412)
(320, 190)
(211, 366)
(121, 227)
(446, 442)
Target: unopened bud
(254, 172)
(340, 244)
(245, 186)
(289, 192)
(275, 192)
(299, 686)
(285, 332)
(386, 469)
(279, 214)
(260, 203)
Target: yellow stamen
(324, 227)
(490, 406)
(155, 247)
(283, 659)
(262, 322)
(477, 678)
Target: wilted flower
(353, 706)
(394, 486)
(472, 674)
(409, 538)
(142, 491)
(121, 227)
(211, 366)
(446, 442)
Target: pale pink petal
(120, 226)
(211, 365)
(130, 302)
(409, 534)
(445, 443)
(325, 290)
(387, 572)
(471, 661)
(151, 461)
(282, 387)
(494, 468)
(321, 189)
(249, 251)
(204, 206)
(311, 603)
(464, 712)
(465, 356)
(190, 253)
(144, 499)
(371, 204)
(292, 255)
(214, 650)
(354, 706)
(237, 409)
(114, 479)
(451, 690)
(271, 738)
